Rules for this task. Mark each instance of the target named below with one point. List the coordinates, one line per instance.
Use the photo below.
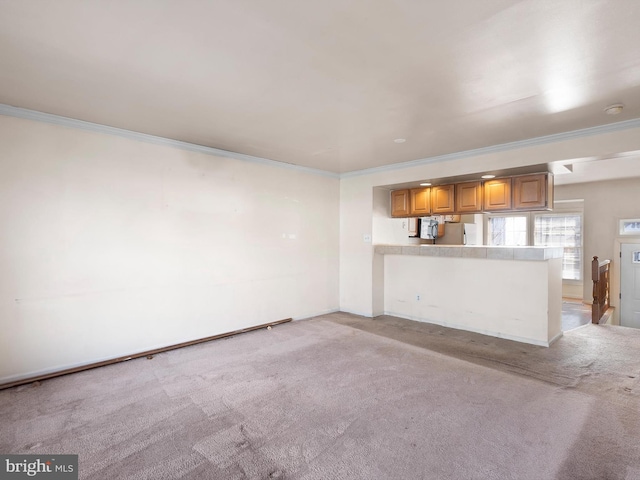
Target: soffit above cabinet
(539, 168)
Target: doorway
(630, 285)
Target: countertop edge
(472, 251)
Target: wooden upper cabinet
(442, 199)
(533, 192)
(497, 194)
(522, 192)
(400, 203)
(420, 203)
(469, 197)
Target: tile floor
(574, 314)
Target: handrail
(601, 288)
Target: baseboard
(607, 317)
(325, 312)
(353, 312)
(572, 299)
(36, 377)
(554, 339)
(515, 338)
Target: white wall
(554, 298)
(519, 300)
(112, 246)
(605, 203)
(357, 281)
(356, 255)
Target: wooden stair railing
(600, 276)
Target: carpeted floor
(344, 397)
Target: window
(562, 230)
(507, 230)
(630, 226)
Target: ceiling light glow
(425, 184)
(400, 140)
(486, 177)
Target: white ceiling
(330, 84)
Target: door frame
(614, 275)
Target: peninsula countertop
(472, 251)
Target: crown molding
(27, 114)
(556, 137)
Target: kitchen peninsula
(508, 292)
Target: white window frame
(489, 216)
(629, 226)
(566, 213)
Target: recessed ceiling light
(614, 109)
(488, 176)
(400, 140)
(425, 184)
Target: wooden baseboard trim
(146, 353)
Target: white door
(630, 285)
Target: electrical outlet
(418, 297)
(366, 238)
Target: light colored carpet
(341, 397)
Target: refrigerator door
(471, 234)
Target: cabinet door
(442, 199)
(400, 203)
(530, 192)
(469, 197)
(420, 201)
(497, 194)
